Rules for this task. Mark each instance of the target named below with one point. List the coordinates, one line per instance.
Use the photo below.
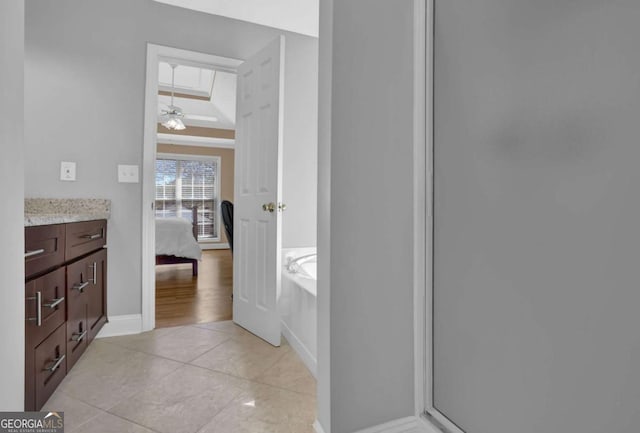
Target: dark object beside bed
(227, 218)
(174, 260)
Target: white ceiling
(188, 79)
(300, 16)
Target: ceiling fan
(172, 117)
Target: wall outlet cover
(67, 171)
(128, 173)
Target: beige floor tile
(134, 340)
(107, 423)
(148, 393)
(181, 344)
(106, 374)
(247, 357)
(265, 409)
(75, 411)
(182, 402)
(226, 326)
(289, 372)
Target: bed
(177, 241)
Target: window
(184, 181)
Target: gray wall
(324, 215)
(84, 96)
(11, 211)
(536, 211)
(371, 267)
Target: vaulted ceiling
(207, 98)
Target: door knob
(269, 207)
(281, 207)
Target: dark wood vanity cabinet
(84, 237)
(65, 301)
(44, 248)
(87, 303)
(49, 366)
(97, 300)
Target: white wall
(84, 96)
(11, 211)
(371, 191)
(300, 159)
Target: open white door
(258, 175)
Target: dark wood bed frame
(173, 260)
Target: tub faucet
(292, 262)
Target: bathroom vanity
(65, 294)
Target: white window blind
(185, 182)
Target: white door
(258, 169)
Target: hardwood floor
(182, 299)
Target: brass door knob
(269, 207)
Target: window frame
(216, 159)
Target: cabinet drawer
(50, 366)
(84, 237)
(44, 306)
(44, 248)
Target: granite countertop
(44, 211)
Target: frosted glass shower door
(536, 296)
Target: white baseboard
(307, 357)
(214, 246)
(121, 325)
(410, 424)
(318, 427)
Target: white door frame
(155, 54)
(424, 152)
(422, 199)
(424, 20)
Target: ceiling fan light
(174, 113)
(174, 123)
(179, 125)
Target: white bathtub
(298, 306)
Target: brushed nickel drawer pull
(94, 236)
(94, 266)
(33, 253)
(78, 337)
(56, 363)
(80, 286)
(54, 303)
(38, 318)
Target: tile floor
(206, 378)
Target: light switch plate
(67, 171)
(128, 174)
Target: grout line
(164, 357)
(149, 354)
(255, 380)
(132, 422)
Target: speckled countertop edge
(44, 211)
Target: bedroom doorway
(194, 277)
(193, 166)
(261, 153)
